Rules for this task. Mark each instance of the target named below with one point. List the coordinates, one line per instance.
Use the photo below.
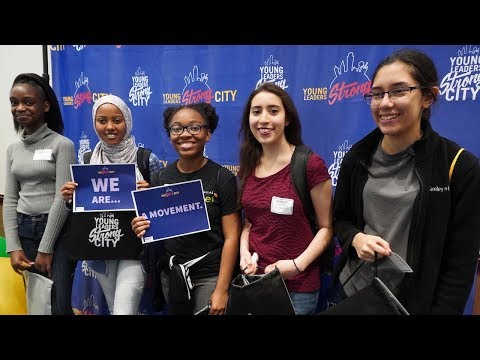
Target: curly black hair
(206, 110)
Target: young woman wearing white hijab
(122, 281)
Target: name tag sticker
(281, 206)
(43, 154)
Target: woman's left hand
(287, 268)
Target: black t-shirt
(220, 194)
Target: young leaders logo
(272, 71)
(350, 80)
(83, 148)
(140, 91)
(196, 88)
(463, 81)
(334, 168)
(82, 92)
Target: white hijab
(126, 150)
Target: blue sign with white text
(103, 187)
(173, 210)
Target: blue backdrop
(326, 82)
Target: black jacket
(444, 239)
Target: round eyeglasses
(375, 97)
(192, 129)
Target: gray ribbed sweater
(33, 187)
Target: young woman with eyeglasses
(189, 128)
(394, 195)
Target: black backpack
(329, 294)
(298, 172)
(143, 156)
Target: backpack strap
(86, 157)
(143, 157)
(298, 173)
(452, 166)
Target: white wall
(14, 59)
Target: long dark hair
(422, 70)
(250, 148)
(53, 118)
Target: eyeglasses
(192, 129)
(393, 94)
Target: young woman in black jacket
(394, 194)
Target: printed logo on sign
(350, 80)
(169, 192)
(338, 155)
(140, 91)
(272, 72)
(105, 171)
(84, 147)
(82, 92)
(463, 80)
(106, 232)
(196, 88)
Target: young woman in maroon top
(275, 225)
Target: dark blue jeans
(30, 231)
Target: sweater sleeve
(64, 156)
(12, 189)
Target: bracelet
(296, 266)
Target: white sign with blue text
(173, 210)
(103, 187)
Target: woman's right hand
(367, 245)
(19, 261)
(248, 265)
(67, 190)
(140, 224)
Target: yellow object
(13, 300)
(452, 166)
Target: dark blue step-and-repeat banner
(326, 82)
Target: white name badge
(43, 154)
(281, 206)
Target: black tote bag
(374, 299)
(259, 295)
(103, 235)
